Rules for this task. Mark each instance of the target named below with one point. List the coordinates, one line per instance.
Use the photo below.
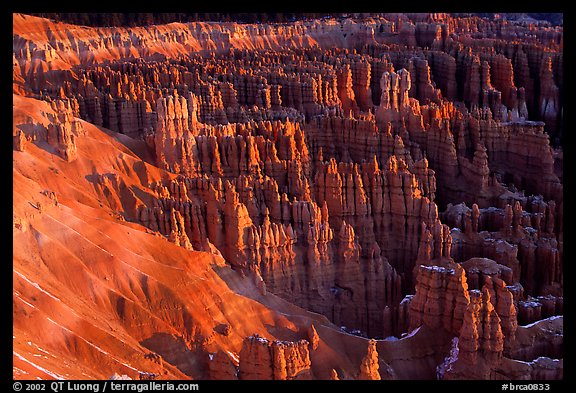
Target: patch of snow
(92, 345)
(407, 299)
(260, 339)
(41, 350)
(35, 285)
(449, 360)
(211, 356)
(127, 365)
(82, 236)
(438, 269)
(20, 371)
(530, 303)
(133, 268)
(544, 359)
(233, 356)
(38, 367)
(391, 338)
(516, 286)
(522, 362)
(412, 333)
(57, 324)
(22, 300)
(553, 318)
(353, 332)
(28, 304)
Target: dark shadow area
(175, 351)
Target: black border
(350, 6)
